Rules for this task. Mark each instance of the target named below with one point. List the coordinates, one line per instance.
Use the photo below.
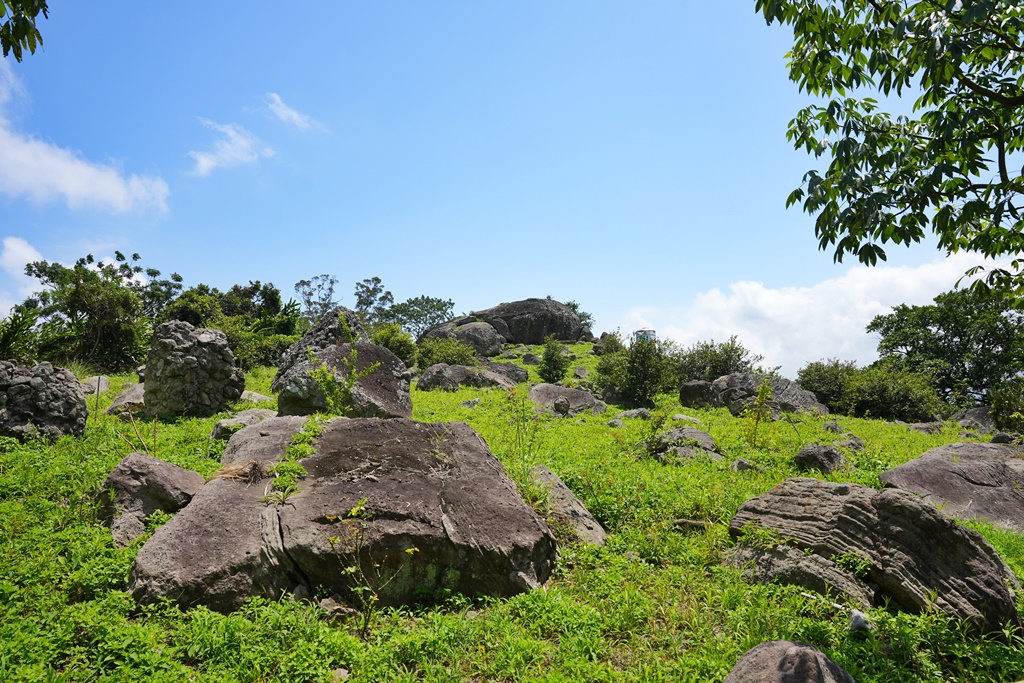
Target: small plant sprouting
(754, 534)
(758, 411)
(366, 580)
(555, 361)
(854, 563)
(287, 472)
(520, 442)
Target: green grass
(654, 604)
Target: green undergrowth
(654, 604)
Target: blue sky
(631, 157)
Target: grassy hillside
(655, 604)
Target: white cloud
(15, 254)
(43, 172)
(791, 326)
(285, 113)
(236, 146)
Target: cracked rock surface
(969, 481)
(435, 488)
(914, 555)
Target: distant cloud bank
(42, 172)
(791, 326)
(235, 147)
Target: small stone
(859, 623)
(743, 465)
(616, 423)
(471, 403)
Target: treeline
(102, 314)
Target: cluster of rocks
(529, 321)
(40, 401)
(738, 390)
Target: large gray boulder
(515, 373)
(451, 377)
(482, 336)
(40, 401)
(190, 371)
(979, 419)
(328, 331)
(787, 661)
(529, 321)
(696, 394)
(382, 393)
(738, 390)
(913, 554)
(821, 457)
(566, 401)
(435, 488)
(969, 481)
(139, 486)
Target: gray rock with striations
(432, 487)
(979, 419)
(791, 566)
(683, 442)
(40, 401)
(139, 486)
(915, 556)
(579, 401)
(451, 377)
(190, 371)
(786, 661)
(263, 442)
(567, 510)
(328, 331)
(969, 481)
(382, 393)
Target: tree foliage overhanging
(18, 29)
(953, 166)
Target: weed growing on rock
(287, 471)
(366, 576)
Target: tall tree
(966, 341)
(317, 296)
(420, 313)
(373, 301)
(948, 168)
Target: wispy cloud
(15, 254)
(43, 172)
(285, 113)
(236, 146)
(791, 326)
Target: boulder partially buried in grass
(402, 509)
(913, 554)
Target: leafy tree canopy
(420, 313)
(372, 301)
(966, 341)
(953, 166)
(317, 296)
(18, 29)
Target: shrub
(708, 361)
(447, 350)
(554, 362)
(392, 337)
(887, 392)
(1008, 404)
(827, 380)
(644, 370)
(612, 343)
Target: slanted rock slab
(131, 399)
(969, 481)
(443, 377)
(223, 429)
(568, 510)
(328, 331)
(579, 401)
(139, 486)
(912, 550)
(435, 488)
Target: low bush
(707, 360)
(890, 393)
(827, 380)
(447, 350)
(392, 337)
